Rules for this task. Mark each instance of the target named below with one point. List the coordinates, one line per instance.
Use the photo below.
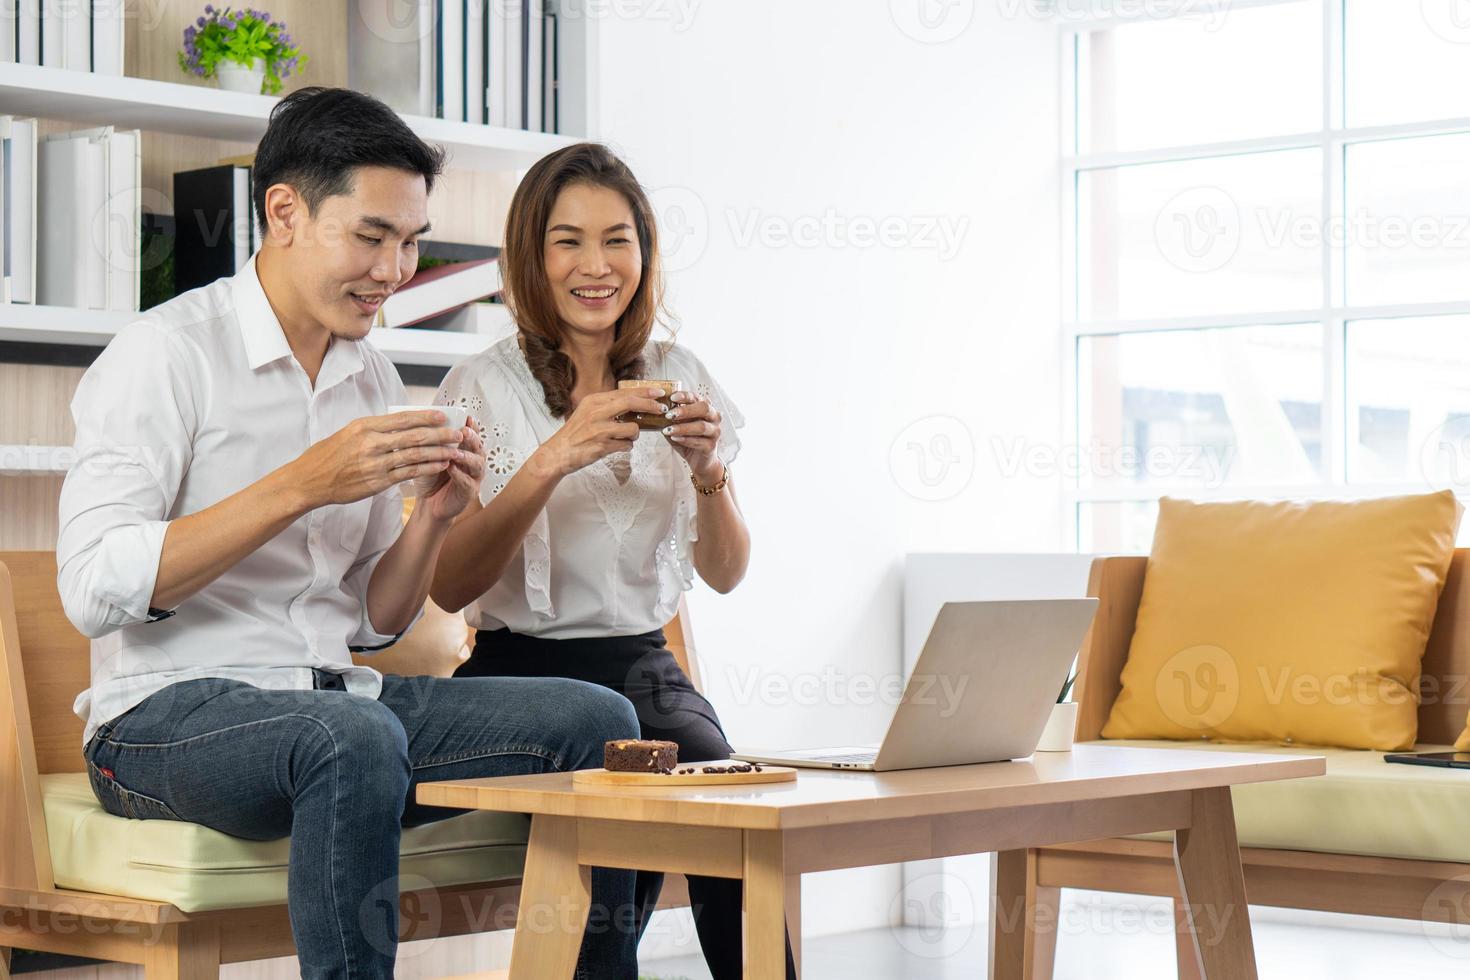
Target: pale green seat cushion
(197, 869)
(1362, 805)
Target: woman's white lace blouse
(612, 550)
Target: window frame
(1334, 313)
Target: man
(232, 527)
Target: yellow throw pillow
(1286, 622)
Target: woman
(587, 531)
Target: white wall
(780, 140)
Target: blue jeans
(336, 773)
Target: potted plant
(1057, 736)
(244, 49)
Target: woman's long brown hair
(523, 268)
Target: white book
(9, 15)
(64, 222)
(426, 35)
(107, 36)
(77, 15)
(21, 197)
(240, 233)
(124, 234)
(441, 290)
(53, 32)
(474, 61)
(5, 245)
(91, 251)
(550, 40)
(451, 44)
(496, 26)
(515, 66)
(535, 71)
(28, 31)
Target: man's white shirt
(193, 402)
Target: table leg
(1024, 919)
(793, 918)
(1212, 888)
(556, 896)
(1187, 960)
(765, 905)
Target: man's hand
(371, 454)
(461, 483)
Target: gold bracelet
(710, 491)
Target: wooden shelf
(94, 328)
(194, 110)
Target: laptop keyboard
(845, 757)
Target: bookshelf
(194, 110)
(94, 328)
(189, 123)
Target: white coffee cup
(455, 417)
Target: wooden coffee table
(770, 834)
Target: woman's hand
(694, 431)
(593, 430)
(460, 484)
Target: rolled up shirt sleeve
(135, 414)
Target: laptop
(982, 690)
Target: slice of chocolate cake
(639, 755)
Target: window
(1269, 256)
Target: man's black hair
(318, 137)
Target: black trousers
(642, 669)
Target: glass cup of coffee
(647, 420)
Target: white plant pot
(234, 78)
(1057, 736)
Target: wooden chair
(1301, 879)
(44, 664)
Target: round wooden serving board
(602, 777)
